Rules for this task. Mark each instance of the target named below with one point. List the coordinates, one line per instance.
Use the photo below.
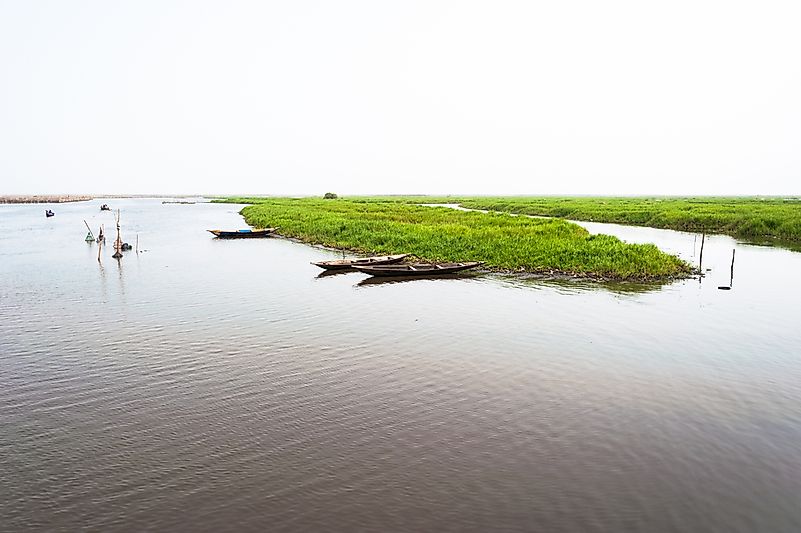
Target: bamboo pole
(118, 241)
(701, 255)
(731, 275)
(90, 230)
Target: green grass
(503, 242)
(748, 218)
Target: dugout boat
(417, 269)
(345, 264)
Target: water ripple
(220, 385)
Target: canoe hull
(417, 270)
(348, 264)
(242, 234)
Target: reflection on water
(772, 243)
(215, 385)
(391, 280)
(334, 273)
(577, 285)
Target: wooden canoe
(343, 264)
(242, 233)
(418, 269)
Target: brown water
(212, 385)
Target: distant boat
(418, 269)
(242, 233)
(49, 213)
(105, 207)
(343, 264)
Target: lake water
(211, 385)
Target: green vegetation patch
(502, 241)
(748, 218)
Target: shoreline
(43, 198)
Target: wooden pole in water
(118, 241)
(99, 247)
(137, 243)
(731, 275)
(701, 255)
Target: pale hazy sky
(574, 97)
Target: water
(214, 385)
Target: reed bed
(748, 218)
(503, 242)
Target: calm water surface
(212, 385)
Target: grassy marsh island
(502, 241)
(745, 217)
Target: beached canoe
(242, 233)
(343, 264)
(418, 269)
